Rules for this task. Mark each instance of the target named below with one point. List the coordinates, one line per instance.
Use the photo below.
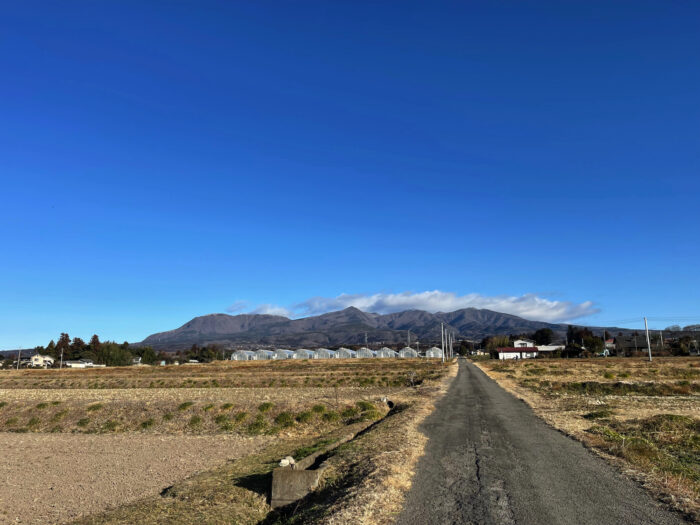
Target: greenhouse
(281, 353)
(433, 352)
(242, 355)
(303, 353)
(325, 353)
(408, 352)
(366, 352)
(346, 353)
(386, 352)
(261, 355)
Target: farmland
(642, 416)
(114, 438)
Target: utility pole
(19, 356)
(442, 336)
(61, 365)
(646, 327)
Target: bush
(110, 426)
(240, 416)
(330, 416)
(41, 406)
(365, 405)
(147, 424)
(11, 421)
(94, 407)
(599, 414)
(167, 416)
(265, 407)
(305, 416)
(3, 404)
(208, 408)
(54, 403)
(59, 415)
(284, 419)
(349, 412)
(33, 421)
(318, 409)
(83, 422)
(195, 421)
(258, 426)
(185, 405)
(221, 419)
(226, 406)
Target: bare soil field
(49, 478)
(78, 442)
(642, 416)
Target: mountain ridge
(347, 326)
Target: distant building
(523, 343)
(522, 352)
(41, 361)
(550, 348)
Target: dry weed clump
(642, 414)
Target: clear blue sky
(162, 160)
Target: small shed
(408, 352)
(242, 355)
(262, 355)
(325, 353)
(366, 352)
(346, 353)
(281, 353)
(386, 352)
(434, 352)
(304, 353)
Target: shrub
(83, 422)
(599, 414)
(240, 416)
(110, 426)
(195, 421)
(318, 409)
(284, 419)
(305, 416)
(94, 407)
(41, 406)
(11, 421)
(59, 415)
(185, 405)
(33, 421)
(365, 405)
(208, 408)
(167, 416)
(55, 429)
(147, 424)
(221, 419)
(349, 412)
(226, 406)
(265, 407)
(609, 375)
(54, 403)
(331, 416)
(3, 404)
(258, 426)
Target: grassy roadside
(641, 416)
(365, 482)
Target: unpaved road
(490, 460)
(52, 478)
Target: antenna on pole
(646, 328)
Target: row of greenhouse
(325, 353)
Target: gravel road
(52, 478)
(490, 460)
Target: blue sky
(160, 161)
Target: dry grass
(643, 416)
(293, 404)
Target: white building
(281, 353)
(523, 343)
(41, 361)
(303, 353)
(434, 352)
(242, 355)
(387, 352)
(263, 355)
(325, 353)
(524, 352)
(408, 352)
(365, 352)
(346, 353)
(550, 348)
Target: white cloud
(529, 306)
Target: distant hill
(344, 327)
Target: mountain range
(344, 327)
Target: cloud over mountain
(528, 306)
